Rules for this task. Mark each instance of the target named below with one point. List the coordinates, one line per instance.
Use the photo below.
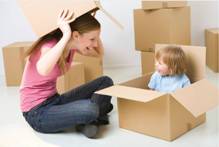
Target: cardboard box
(43, 14)
(147, 62)
(161, 26)
(93, 66)
(14, 62)
(212, 44)
(150, 5)
(73, 78)
(166, 115)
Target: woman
(51, 56)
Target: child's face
(162, 68)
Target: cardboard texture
(14, 62)
(93, 66)
(46, 11)
(147, 62)
(166, 115)
(212, 44)
(161, 26)
(150, 5)
(73, 78)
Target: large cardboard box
(166, 115)
(150, 5)
(14, 62)
(73, 78)
(212, 44)
(93, 66)
(147, 62)
(161, 26)
(42, 14)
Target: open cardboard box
(43, 14)
(159, 4)
(166, 115)
(212, 45)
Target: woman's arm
(50, 56)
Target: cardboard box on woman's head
(43, 14)
(166, 115)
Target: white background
(119, 44)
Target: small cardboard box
(93, 66)
(161, 26)
(14, 62)
(42, 14)
(73, 78)
(166, 115)
(147, 62)
(212, 44)
(150, 5)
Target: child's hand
(65, 17)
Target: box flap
(42, 14)
(135, 94)
(109, 15)
(199, 97)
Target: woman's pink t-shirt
(36, 88)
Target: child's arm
(152, 82)
(50, 56)
(186, 82)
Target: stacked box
(151, 5)
(93, 66)
(14, 61)
(160, 22)
(73, 78)
(212, 44)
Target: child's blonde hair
(82, 24)
(174, 57)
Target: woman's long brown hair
(82, 24)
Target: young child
(170, 74)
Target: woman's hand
(65, 17)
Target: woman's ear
(75, 35)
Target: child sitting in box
(170, 74)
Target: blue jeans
(78, 106)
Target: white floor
(14, 131)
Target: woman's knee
(107, 80)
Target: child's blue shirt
(168, 83)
